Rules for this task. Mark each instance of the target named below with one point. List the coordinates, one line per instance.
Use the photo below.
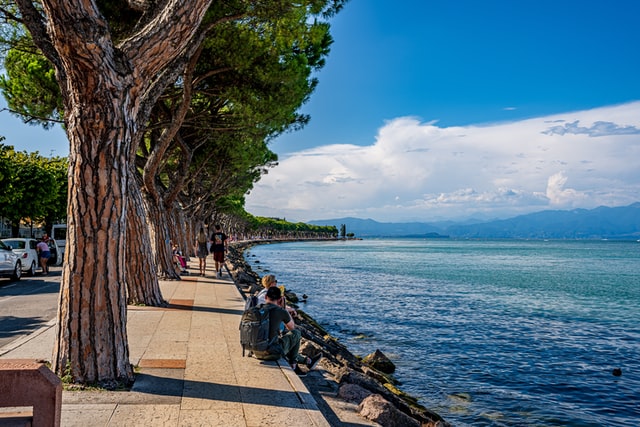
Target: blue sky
(469, 62)
(450, 109)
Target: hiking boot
(313, 361)
(299, 372)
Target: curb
(26, 338)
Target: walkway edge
(26, 338)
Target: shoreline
(345, 384)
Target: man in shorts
(218, 247)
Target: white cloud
(418, 171)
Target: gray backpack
(254, 334)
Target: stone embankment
(366, 385)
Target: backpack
(254, 334)
(252, 301)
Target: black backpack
(254, 334)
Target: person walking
(201, 250)
(218, 247)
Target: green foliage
(254, 72)
(33, 187)
(278, 227)
(122, 19)
(6, 183)
(30, 86)
(251, 77)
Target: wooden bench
(29, 383)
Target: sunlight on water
(487, 333)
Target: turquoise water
(486, 333)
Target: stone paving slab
(189, 368)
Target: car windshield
(15, 244)
(3, 246)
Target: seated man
(290, 340)
(269, 281)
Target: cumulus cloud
(415, 170)
(595, 130)
(559, 195)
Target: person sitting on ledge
(269, 281)
(290, 340)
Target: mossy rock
(379, 361)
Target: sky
(455, 109)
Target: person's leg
(218, 265)
(290, 343)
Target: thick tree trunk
(142, 280)
(91, 330)
(161, 236)
(107, 92)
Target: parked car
(56, 253)
(10, 265)
(59, 234)
(26, 250)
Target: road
(28, 304)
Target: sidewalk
(190, 369)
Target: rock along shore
(348, 383)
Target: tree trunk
(181, 228)
(107, 92)
(161, 237)
(91, 330)
(142, 280)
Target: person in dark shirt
(218, 247)
(290, 340)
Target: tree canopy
(34, 187)
(169, 108)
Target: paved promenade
(190, 369)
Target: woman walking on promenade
(201, 250)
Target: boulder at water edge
(377, 408)
(379, 361)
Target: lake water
(486, 333)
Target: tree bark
(142, 281)
(91, 329)
(161, 235)
(107, 91)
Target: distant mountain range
(599, 223)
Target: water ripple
(486, 333)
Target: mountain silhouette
(599, 223)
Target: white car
(26, 250)
(10, 265)
(56, 253)
(59, 234)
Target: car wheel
(17, 272)
(32, 270)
